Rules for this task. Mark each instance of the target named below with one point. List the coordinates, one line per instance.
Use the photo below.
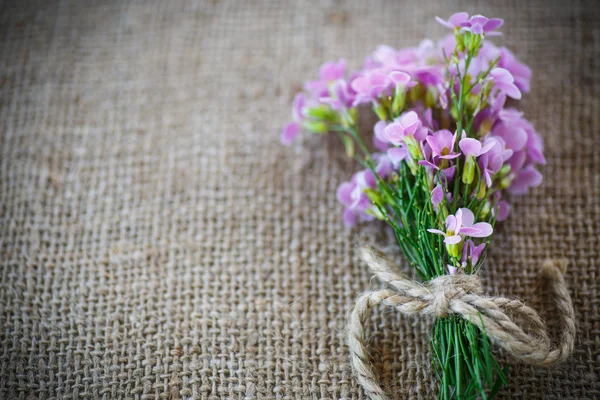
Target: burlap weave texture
(157, 242)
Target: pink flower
(454, 21)
(526, 178)
(289, 133)
(442, 144)
(520, 71)
(502, 209)
(351, 195)
(396, 155)
(370, 85)
(379, 140)
(462, 225)
(437, 195)
(374, 83)
(408, 124)
(477, 24)
(328, 73)
(471, 252)
(504, 82)
(292, 130)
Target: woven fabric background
(157, 242)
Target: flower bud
(315, 126)
(504, 171)
(454, 250)
(469, 171)
(482, 191)
(322, 113)
(460, 40)
(485, 211)
(413, 148)
(374, 196)
(505, 183)
(381, 112)
(486, 126)
(399, 100)
(431, 97)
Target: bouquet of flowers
(448, 147)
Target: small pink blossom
(442, 144)
(328, 73)
(461, 225)
(471, 252)
(408, 124)
(504, 82)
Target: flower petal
(436, 231)
(289, 133)
(493, 24)
(458, 18)
(451, 222)
(452, 239)
(480, 229)
(437, 195)
(503, 209)
(470, 146)
(467, 216)
(397, 154)
(349, 218)
(399, 78)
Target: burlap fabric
(157, 242)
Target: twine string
(462, 295)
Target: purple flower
(351, 195)
(454, 21)
(504, 82)
(526, 178)
(399, 78)
(519, 134)
(477, 24)
(340, 96)
(503, 209)
(379, 140)
(298, 107)
(437, 195)
(328, 73)
(291, 130)
(462, 225)
(373, 83)
(442, 144)
(396, 155)
(407, 125)
(527, 149)
(520, 71)
(289, 133)
(384, 165)
(452, 270)
(370, 85)
(471, 252)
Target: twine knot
(462, 295)
(448, 288)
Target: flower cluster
(449, 144)
(442, 108)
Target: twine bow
(462, 295)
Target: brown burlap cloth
(157, 242)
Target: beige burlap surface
(158, 243)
